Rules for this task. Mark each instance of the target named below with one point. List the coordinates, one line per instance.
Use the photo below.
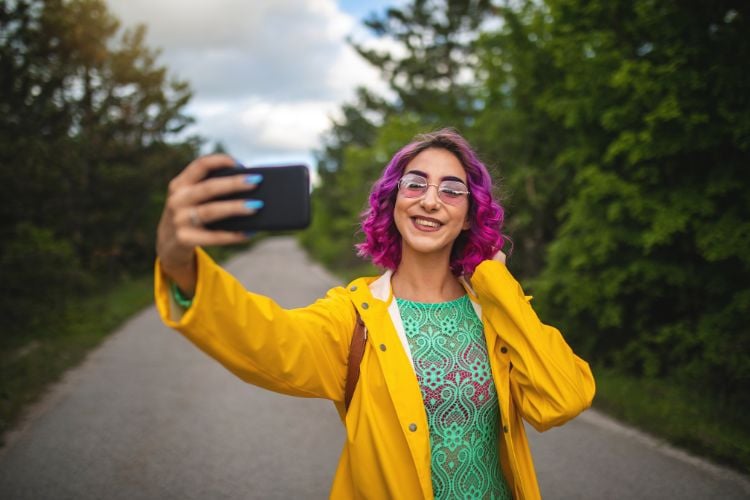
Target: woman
(455, 355)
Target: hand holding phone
(283, 194)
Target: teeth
(429, 223)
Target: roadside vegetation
(619, 132)
(29, 363)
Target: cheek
(399, 213)
(466, 219)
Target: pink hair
(480, 242)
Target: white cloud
(266, 74)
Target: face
(428, 224)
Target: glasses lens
(452, 192)
(413, 186)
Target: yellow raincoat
(304, 352)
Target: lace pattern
(452, 366)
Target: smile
(426, 224)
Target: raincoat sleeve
(549, 384)
(301, 352)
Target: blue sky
(361, 9)
(267, 75)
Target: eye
(451, 193)
(413, 182)
(453, 189)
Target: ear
(467, 223)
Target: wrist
(180, 297)
(182, 273)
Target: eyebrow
(446, 178)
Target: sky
(267, 75)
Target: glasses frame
(449, 201)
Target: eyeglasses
(416, 186)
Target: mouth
(426, 223)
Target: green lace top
(452, 366)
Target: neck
(425, 278)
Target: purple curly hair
(481, 241)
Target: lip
(421, 227)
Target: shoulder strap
(356, 351)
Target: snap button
(413, 427)
(503, 349)
(382, 347)
(505, 429)
(353, 288)
(365, 305)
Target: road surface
(148, 416)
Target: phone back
(285, 192)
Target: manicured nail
(254, 204)
(250, 233)
(254, 179)
(238, 163)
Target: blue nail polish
(254, 179)
(250, 233)
(238, 163)
(254, 204)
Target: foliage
(25, 371)
(702, 424)
(430, 77)
(650, 270)
(433, 73)
(86, 116)
(620, 134)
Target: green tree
(521, 140)
(650, 266)
(433, 73)
(430, 77)
(88, 121)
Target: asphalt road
(148, 416)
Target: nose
(430, 200)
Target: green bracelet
(181, 300)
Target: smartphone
(285, 191)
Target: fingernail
(238, 163)
(254, 204)
(250, 233)
(254, 179)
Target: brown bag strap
(356, 351)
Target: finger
(499, 256)
(210, 212)
(197, 170)
(191, 236)
(210, 189)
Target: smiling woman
(454, 358)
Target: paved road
(148, 416)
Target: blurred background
(618, 133)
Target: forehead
(437, 164)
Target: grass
(27, 368)
(696, 422)
(29, 365)
(692, 421)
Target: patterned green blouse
(450, 359)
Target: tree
(430, 77)
(88, 121)
(650, 268)
(517, 134)
(432, 71)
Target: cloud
(266, 74)
(264, 128)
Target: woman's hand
(188, 209)
(499, 256)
